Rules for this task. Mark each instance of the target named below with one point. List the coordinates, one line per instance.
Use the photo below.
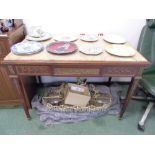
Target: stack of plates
(26, 48)
(89, 37)
(91, 50)
(65, 37)
(61, 47)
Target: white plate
(121, 50)
(115, 39)
(89, 37)
(46, 36)
(65, 37)
(91, 50)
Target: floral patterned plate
(91, 50)
(89, 37)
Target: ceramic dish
(61, 47)
(26, 48)
(115, 39)
(66, 38)
(121, 50)
(36, 32)
(93, 50)
(89, 37)
(44, 37)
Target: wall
(128, 28)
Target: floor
(14, 122)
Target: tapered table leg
(131, 89)
(20, 91)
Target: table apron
(91, 71)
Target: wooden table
(74, 65)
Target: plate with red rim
(61, 47)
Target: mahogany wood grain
(8, 95)
(75, 64)
(131, 89)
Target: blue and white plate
(26, 48)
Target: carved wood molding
(77, 71)
(120, 70)
(34, 70)
(11, 70)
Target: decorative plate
(44, 37)
(121, 50)
(61, 47)
(92, 50)
(26, 48)
(89, 37)
(66, 38)
(115, 39)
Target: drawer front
(48, 70)
(34, 70)
(120, 71)
(76, 72)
